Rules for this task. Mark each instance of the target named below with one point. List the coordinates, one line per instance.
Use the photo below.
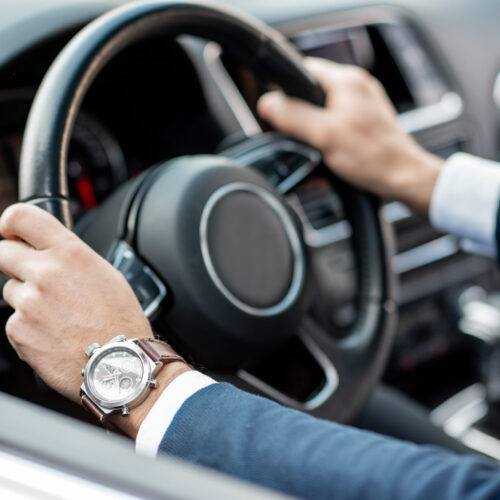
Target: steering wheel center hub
(230, 251)
(251, 249)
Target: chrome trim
(319, 238)
(293, 239)
(477, 317)
(449, 108)
(259, 152)
(219, 87)
(25, 479)
(482, 442)
(496, 91)
(461, 411)
(340, 231)
(235, 101)
(326, 392)
(396, 212)
(122, 251)
(425, 254)
(458, 415)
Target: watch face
(117, 375)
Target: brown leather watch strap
(91, 407)
(158, 350)
(99, 415)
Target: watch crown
(125, 411)
(83, 372)
(153, 383)
(91, 348)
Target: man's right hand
(66, 297)
(358, 134)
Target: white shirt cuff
(162, 413)
(465, 201)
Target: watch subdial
(117, 375)
(126, 383)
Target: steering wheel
(208, 242)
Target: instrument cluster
(96, 165)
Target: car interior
(370, 317)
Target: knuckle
(8, 292)
(15, 214)
(7, 287)
(29, 302)
(325, 135)
(75, 250)
(66, 255)
(46, 275)
(360, 79)
(14, 329)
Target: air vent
(320, 204)
(413, 232)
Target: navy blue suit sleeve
(258, 440)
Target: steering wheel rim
(43, 159)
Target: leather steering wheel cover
(43, 161)
(367, 346)
(52, 116)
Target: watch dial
(117, 375)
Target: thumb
(298, 118)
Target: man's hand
(65, 297)
(358, 134)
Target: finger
(326, 72)
(16, 259)
(296, 117)
(332, 75)
(12, 292)
(33, 225)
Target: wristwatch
(120, 374)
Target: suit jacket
(258, 440)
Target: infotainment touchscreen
(329, 45)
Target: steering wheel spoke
(224, 98)
(282, 160)
(147, 286)
(301, 375)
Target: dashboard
(162, 98)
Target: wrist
(415, 177)
(130, 424)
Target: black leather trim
(59, 207)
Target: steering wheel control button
(282, 161)
(251, 249)
(148, 288)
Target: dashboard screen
(335, 46)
